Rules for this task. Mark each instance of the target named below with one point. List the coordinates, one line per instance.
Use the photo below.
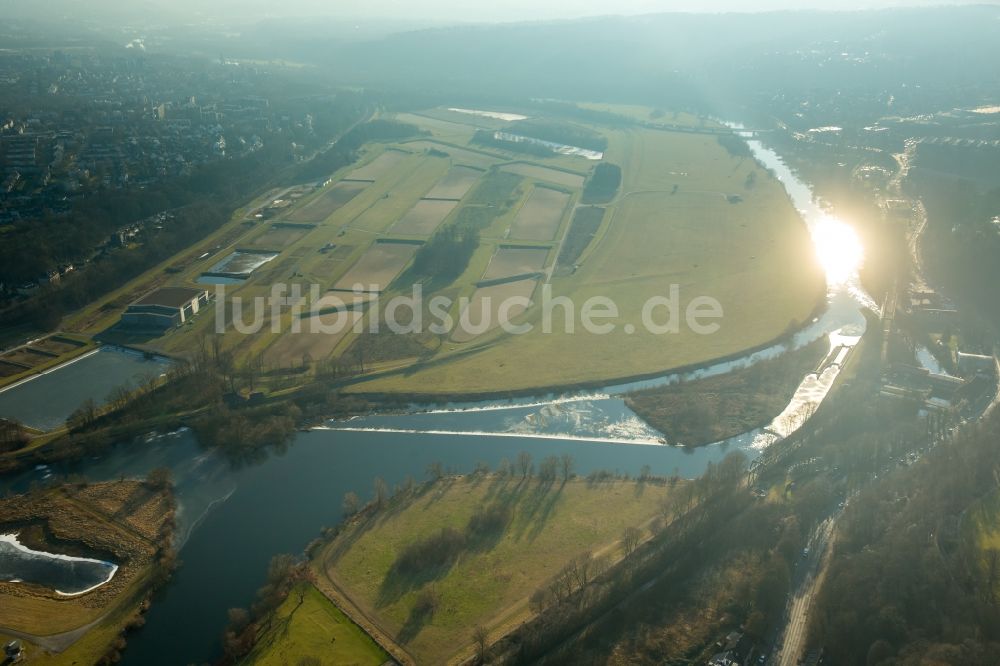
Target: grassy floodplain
(308, 625)
(490, 581)
(676, 221)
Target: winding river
(232, 520)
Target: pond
(67, 575)
(44, 400)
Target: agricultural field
(540, 215)
(512, 260)
(39, 355)
(445, 129)
(279, 236)
(483, 313)
(327, 202)
(378, 167)
(378, 266)
(312, 342)
(308, 625)
(533, 171)
(456, 183)
(425, 216)
(469, 156)
(534, 529)
(673, 224)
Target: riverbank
(128, 524)
(353, 386)
(431, 563)
(713, 409)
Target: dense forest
(963, 241)
(603, 184)
(908, 584)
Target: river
(232, 520)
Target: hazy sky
(422, 11)
(515, 10)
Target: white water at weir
(602, 415)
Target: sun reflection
(838, 250)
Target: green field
(308, 625)
(753, 256)
(490, 581)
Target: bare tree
(435, 470)
(351, 503)
(566, 461)
(119, 396)
(504, 468)
(159, 478)
(548, 469)
(581, 567)
(524, 464)
(381, 491)
(481, 637)
(630, 540)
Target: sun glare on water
(838, 250)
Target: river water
(233, 519)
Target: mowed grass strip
(378, 266)
(492, 306)
(423, 218)
(324, 205)
(309, 626)
(564, 178)
(455, 184)
(540, 215)
(379, 166)
(490, 582)
(511, 261)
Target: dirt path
(54, 643)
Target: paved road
(809, 578)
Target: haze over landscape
(427, 11)
(648, 332)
